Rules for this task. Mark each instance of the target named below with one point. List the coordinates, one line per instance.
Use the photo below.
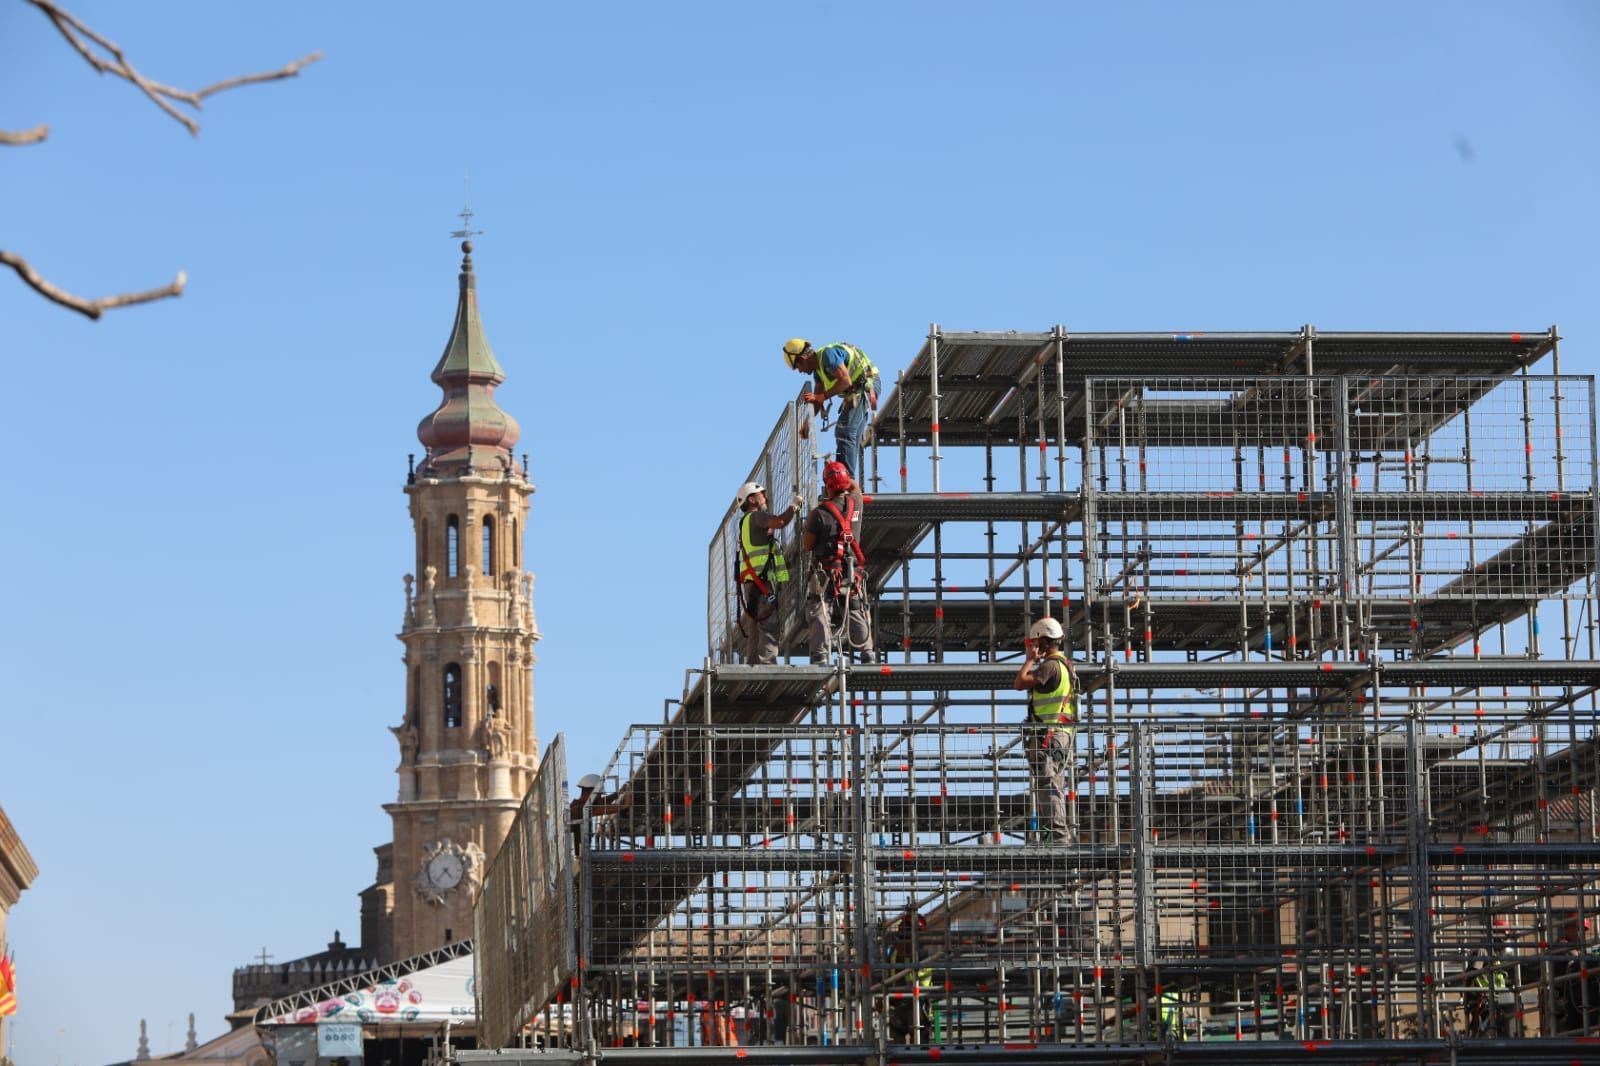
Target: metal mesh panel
(525, 929)
(784, 468)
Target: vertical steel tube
(933, 397)
(900, 421)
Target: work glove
(798, 502)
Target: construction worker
(908, 1009)
(586, 786)
(762, 570)
(1169, 1013)
(1575, 992)
(1491, 1011)
(1048, 678)
(838, 370)
(1162, 1019)
(837, 590)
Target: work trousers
(1050, 768)
(823, 607)
(847, 433)
(758, 623)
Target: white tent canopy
(424, 990)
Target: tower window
(516, 549)
(452, 696)
(422, 549)
(452, 547)
(488, 545)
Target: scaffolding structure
(1332, 602)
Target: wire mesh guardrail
(525, 929)
(784, 467)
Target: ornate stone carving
(447, 867)
(495, 736)
(407, 736)
(409, 616)
(430, 605)
(475, 871)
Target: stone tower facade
(468, 750)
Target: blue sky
(206, 531)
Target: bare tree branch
(109, 59)
(33, 136)
(163, 96)
(289, 71)
(91, 308)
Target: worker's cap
(589, 781)
(794, 348)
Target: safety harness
(761, 565)
(844, 570)
(858, 370)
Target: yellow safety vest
(922, 978)
(1482, 980)
(756, 556)
(1055, 708)
(1171, 1008)
(858, 369)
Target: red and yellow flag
(8, 987)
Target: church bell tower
(468, 750)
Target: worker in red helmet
(837, 591)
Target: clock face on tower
(445, 870)
(445, 866)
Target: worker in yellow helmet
(841, 370)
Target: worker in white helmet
(1050, 682)
(761, 569)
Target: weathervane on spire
(466, 231)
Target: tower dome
(467, 433)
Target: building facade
(467, 743)
(17, 871)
